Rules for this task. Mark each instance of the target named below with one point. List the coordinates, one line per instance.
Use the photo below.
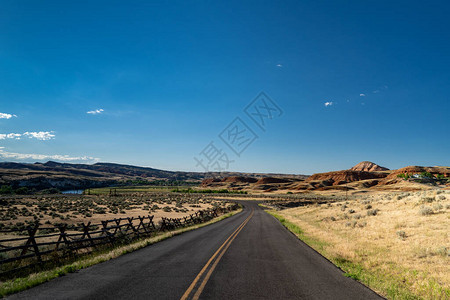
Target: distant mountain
(80, 176)
(367, 166)
(363, 176)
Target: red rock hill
(368, 166)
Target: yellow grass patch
(402, 236)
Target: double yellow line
(217, 256)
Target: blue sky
(355, 80)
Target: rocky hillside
(411, 170)
(363, 176)
(80, 176)
(345, 176)
(367, 166)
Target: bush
(6, 190)
(22, 191)
(50, 191)
(425, 211)
(403, 175)
(437, 206)
(372, 212)
(427, 175)
(401, 234)
(428, 199)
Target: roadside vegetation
(398, 244)
(208, 191)
(20, 212)
(9, 190)
(19, 284)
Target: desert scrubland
(400, 241)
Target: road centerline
(219, 253)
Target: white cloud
(41, 135)
(362, 95)
(96, 112)
(279, 65)
(6, 116)
(376, 91)
(4, 136)
(328, 104)
(57, 157)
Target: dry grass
(20, 284)
(17, 212)
(403, 236)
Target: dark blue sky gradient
(170, 75)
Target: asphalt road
(248, 256)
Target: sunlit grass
(398, 252)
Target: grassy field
(396, 243)
(133, 189)
(18, 212)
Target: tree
(6, 190)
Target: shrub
(372, 212)
(425, 211)
(401, 234)
(50, 191)
(6, 190)
(403, 175)
(437, 206)
(22, 191)
(357, 216)
(443, 251)
(428, 199)
(427, 175)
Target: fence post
(151, 222)
(106, 232)
(130, 224)
(87, 234)
(62, 236)
(31, 240)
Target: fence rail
(39, 245)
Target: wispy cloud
(376, 91)
(328, 104)
(279, 65)
(41, 135)
(4, 136)
(96, 112)
(362, 95)
(27, 156)
(6, 116)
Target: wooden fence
(38, 245)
